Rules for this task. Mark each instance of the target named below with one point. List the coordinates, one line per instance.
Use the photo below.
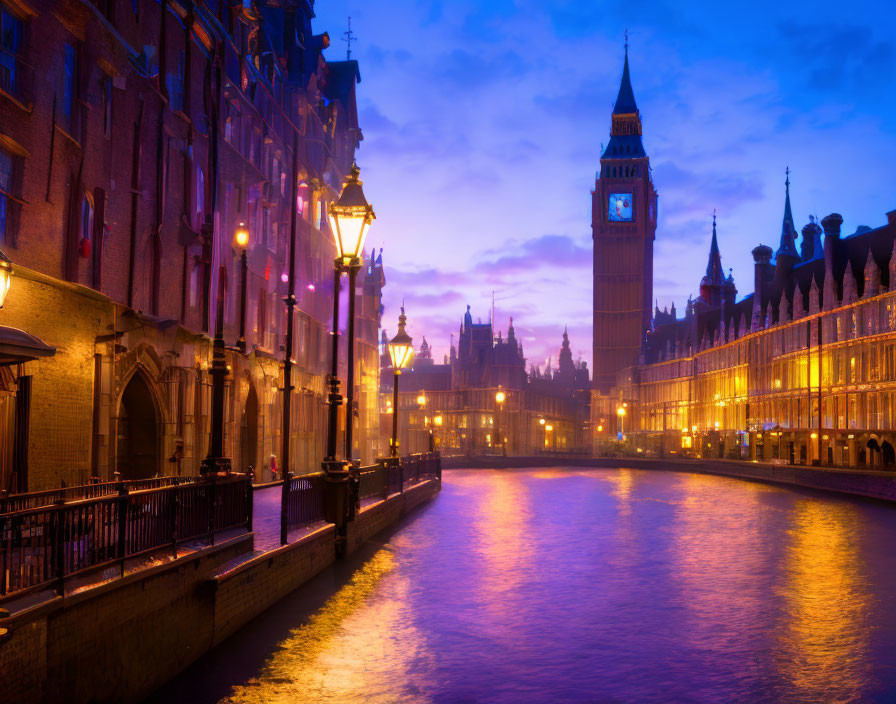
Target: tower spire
(788, 230)
(625, 100)
(714, 265)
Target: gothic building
(460, 403)
(800, 369)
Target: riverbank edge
(854, 482)
(122, 641)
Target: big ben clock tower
(623, 223)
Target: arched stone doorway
(249, 432)
(888, 454)
(138, 431)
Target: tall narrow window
(5, 192)
(86, 233)
(11, 30)
(175, 85)
(199, 199)
(107, 107)
(68, 83)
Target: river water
(587, 586)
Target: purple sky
(483, 123)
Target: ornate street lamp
(241, 239)
(621, 413)
(5, 277)
(350, 219)
(401, 352)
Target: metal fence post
(250, 502)
(212, 496)
(284, 506)
(3, 548)
(122, 504)
(57, 546)
(173, 510)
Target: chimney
(763, 273)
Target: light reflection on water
(606, 586)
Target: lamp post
(421, 406)
(500, 397)
(5, 277)
(437, 422)
(241, 239)
(401, 351)
(215, 462)
(548, 429)
(544, 435)
(621, 413)
(350, 219)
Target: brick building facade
(115, 118)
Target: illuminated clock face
(620, 209)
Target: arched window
(302, 199)
(86, 232)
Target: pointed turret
(788, 230)
(712, 284)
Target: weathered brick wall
(243, 593)
(372, 519)
(62, 392)
(117, 642)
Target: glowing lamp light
(5, 277)
(401, 347)
(549, 428)
(284, 277)
(421, 400)
(600, 428)
(541, 421)
(620, 411)
(814, 436)
(500, 397)
(310, 287)
(437, 421)
(241, 236)
(350, 218)
(717, 425)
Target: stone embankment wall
(877, 485)
(120, 641)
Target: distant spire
(714, 265)
(788, 231)
(625, 101)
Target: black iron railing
(389, 476)
(48, 497)
(43, 547)
(305, 500)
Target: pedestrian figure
(275, 470)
